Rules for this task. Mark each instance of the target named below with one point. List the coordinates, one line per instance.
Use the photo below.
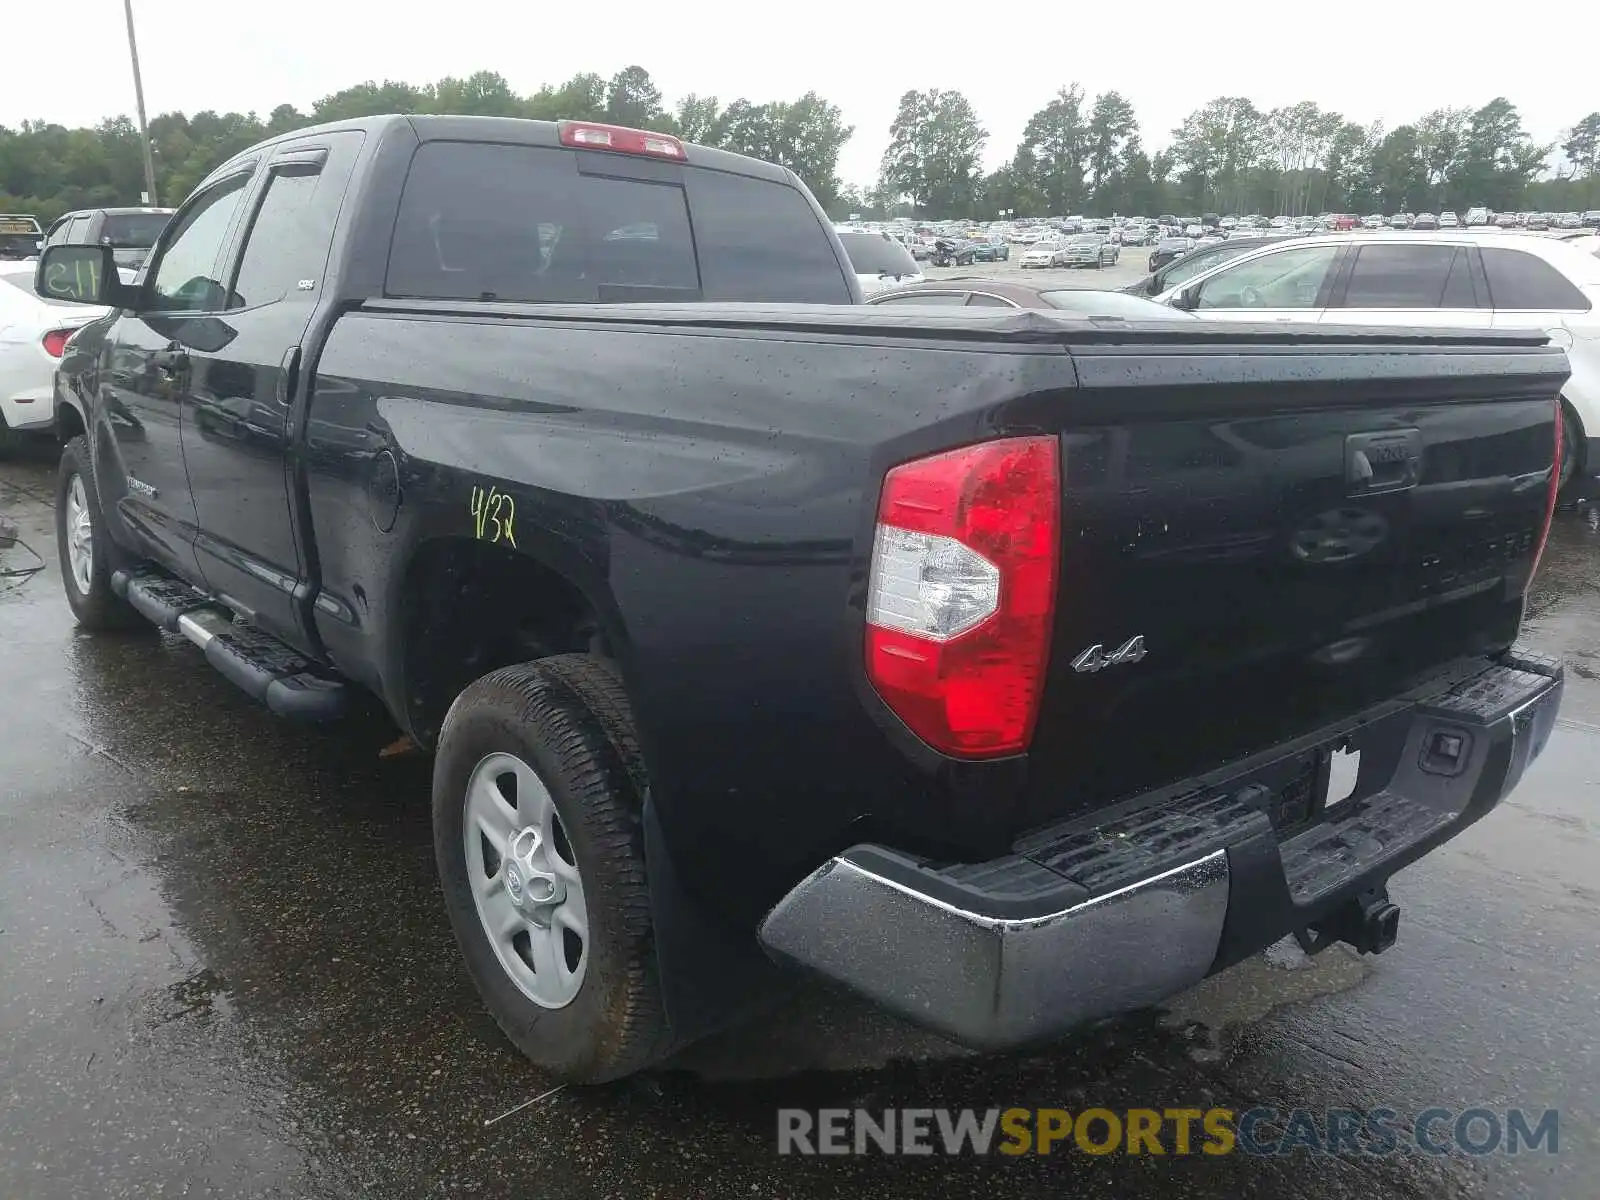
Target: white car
(33, 334)
(1513, 281)
(1448, 220)
(1042, 254)
(879, 260)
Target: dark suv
(130, 232)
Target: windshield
(1112, 304)
(873, 254)
(133, 231)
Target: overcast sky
(1389, 63)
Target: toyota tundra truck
(1009, 669)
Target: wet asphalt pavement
(225, 970)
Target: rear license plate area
(1317, 783)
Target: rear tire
(84, 547)
(567, 720)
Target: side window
(1520, 281)
(57, 232)
(185, 278)
(1285, 279)
(1187, 268)
(985, 300)
(760, 240)
(480, 221)
(1399, 276)
(78, 232)
(281, 249)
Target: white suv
(1443, 280)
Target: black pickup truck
(1008, 668)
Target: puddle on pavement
(818, 1030)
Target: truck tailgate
(1302, 534)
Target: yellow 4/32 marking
(492, 515)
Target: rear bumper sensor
(287, 682)
(1084, 921)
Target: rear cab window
(485, 221)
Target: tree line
(1083, 156)
(1076, 154)
(48, 169)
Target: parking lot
(225, 970)
(1131, 264)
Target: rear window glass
(1518, 280)
(137, 231)
(1401, 276)
(760, 240)
(19, 245)
(489, 222)
(873, 254)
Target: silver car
(1089, 250)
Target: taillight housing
(590, 135)
(1550, 498)
(962, 591)
(55, 342)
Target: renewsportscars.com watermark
(1179, 1132)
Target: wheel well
(1569, 412)
(69, 423)
(472, 608)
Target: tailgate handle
(1386, 461)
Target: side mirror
(82, 275)
(1189, 299)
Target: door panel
(236, 440)
(146, 375)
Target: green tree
(1399, 176)
(633, 99)
(1056, 140)
(581, 98)
(1111, 124)
(1582, 149)
(484, 94)
(1214, 148)
(1498, 159)
(934, 155)
(1441, 144)
(370, 100)
(699, 120)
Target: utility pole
(138, 96)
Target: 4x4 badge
(1095, 657)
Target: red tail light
(1550, 500)
(962, 593)
(55, 342)
(587, 135)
